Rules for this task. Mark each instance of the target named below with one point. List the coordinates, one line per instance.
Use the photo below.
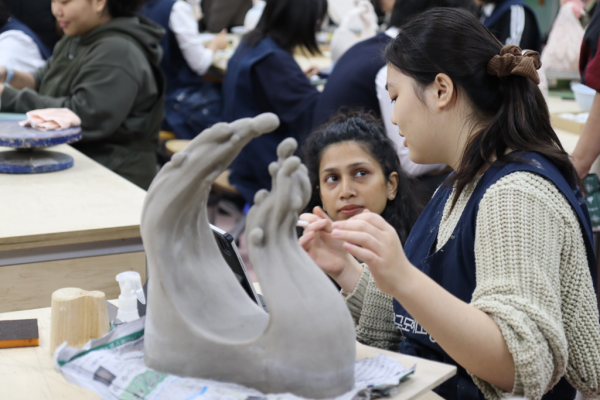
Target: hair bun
(512, 61)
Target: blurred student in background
(512, 22)
(262, 76)
(191, 104)
(20, 47)
(37, 15)
(224, 14)
(105, 70)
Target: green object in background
(545, 14)
(592, 198)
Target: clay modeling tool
(27, 158)
(19, 333)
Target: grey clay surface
(200, 322)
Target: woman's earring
(392, 197)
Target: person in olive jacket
(105, 70)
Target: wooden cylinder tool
(77, 317)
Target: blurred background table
(73, 228)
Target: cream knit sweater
(532, 279)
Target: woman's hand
(327, 252)
(3, 73)
(312, 71)
(220, 41)
(370, 238)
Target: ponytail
(502, 91)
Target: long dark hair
(290, 23)
(453, 41)
(401, 212)
(404, 10)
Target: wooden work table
(78, 227)
(27, 373)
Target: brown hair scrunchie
(511, 61)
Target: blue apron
(453, 266)
(249, 170)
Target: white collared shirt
(19, 52)
(191, 42)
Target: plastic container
(583, 95)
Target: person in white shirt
(20, 48)
(191, 104)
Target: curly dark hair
(367, 131)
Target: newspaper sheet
(113, 367)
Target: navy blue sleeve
(283, 89)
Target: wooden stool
(174, 146)
(163, 136)
(222, 183)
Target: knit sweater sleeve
(373, 314)
(533, 280)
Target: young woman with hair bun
(104, 70)
(498, 275)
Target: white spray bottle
(131, 291)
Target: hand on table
(370, 238)
(328, 253)
(220, 41)
(312, 71)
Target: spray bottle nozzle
(131, 282)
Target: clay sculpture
(200, 322)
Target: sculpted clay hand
(200, 322)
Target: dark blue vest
(453, 267)
(249, 171)
(238, 86)
(191, 105)
(352, 82)
(14, 24)
(502, 7)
